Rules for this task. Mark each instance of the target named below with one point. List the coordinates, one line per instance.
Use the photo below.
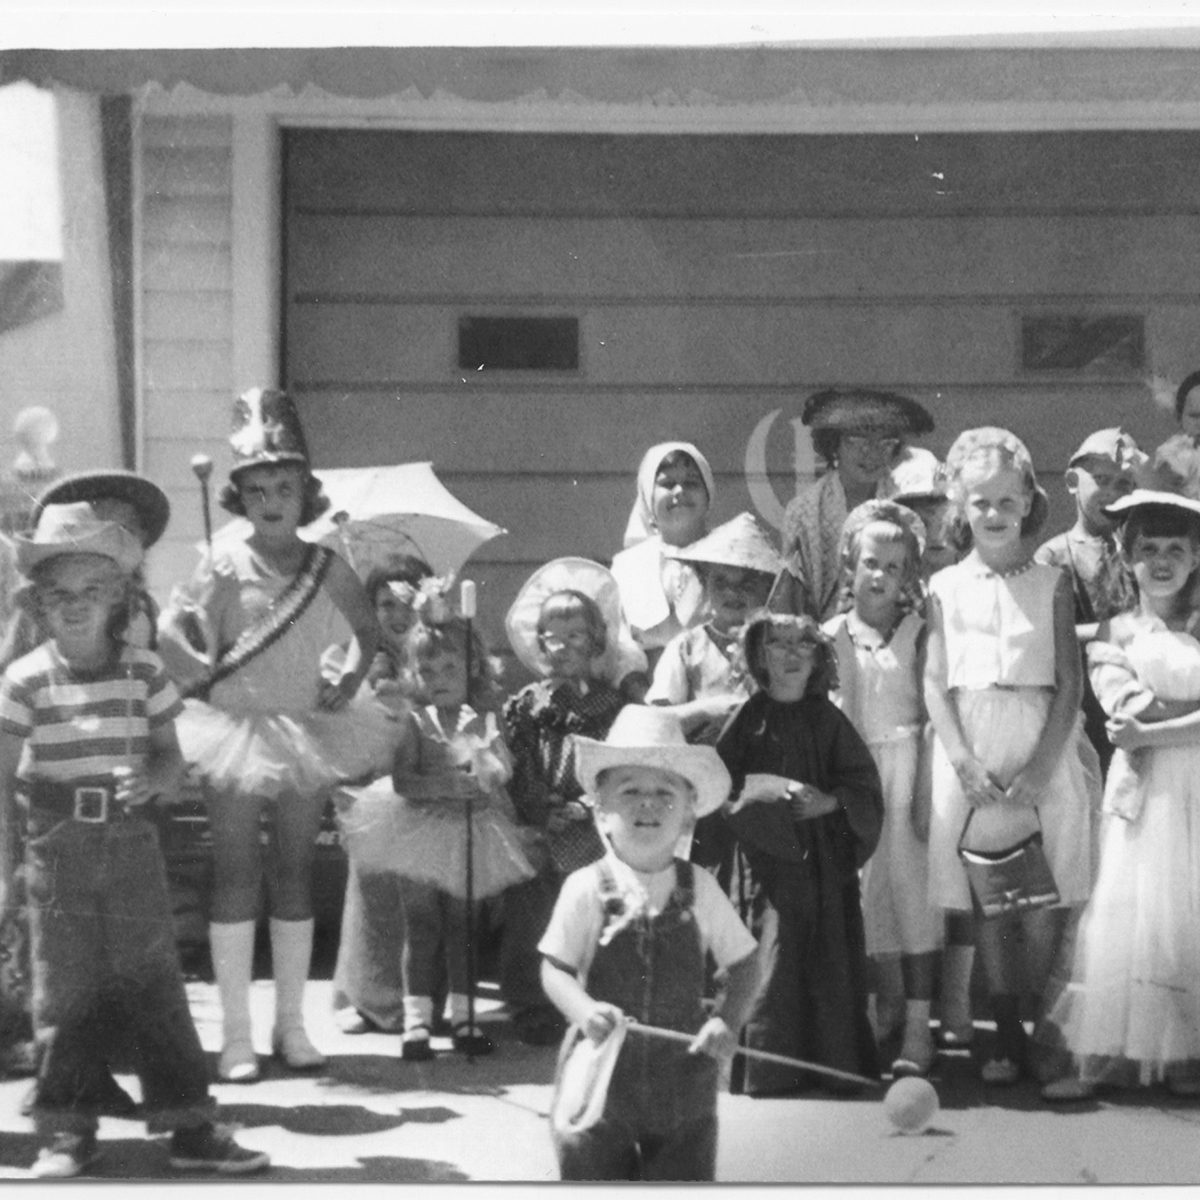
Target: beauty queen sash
(290, 605)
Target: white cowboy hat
(75, 529)
(645, 735)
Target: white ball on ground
(911, 1103)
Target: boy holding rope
(631, 939)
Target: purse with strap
(1012, 880)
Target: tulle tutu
(1002, 727)
(269, 753)
(1133, 1004)
(382, 831)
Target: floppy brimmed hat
(741, 542)
(266, 430)
(649, 736)
(75, 529)
(1142, 497)
(147, 498)
(568, 574)
(851, 410)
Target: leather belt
(91, 803)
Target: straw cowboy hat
(648, 736)
(1140, 497)
(75, 529)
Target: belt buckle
(91, 805)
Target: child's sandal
(470, 1039)
(415, 1045)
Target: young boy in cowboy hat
(87, 738)
(630, 938)
(142, 508)
(697, 675)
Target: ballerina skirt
(384, 832)
(268, 754)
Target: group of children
(732, 805)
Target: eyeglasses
(576, 641)
(860, 442)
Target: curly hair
(1005, 449)
(406, 569)
(313, 504)
(426, 641)
(823, 678)
(1185, 389)
(895, 525)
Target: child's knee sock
(232, 947)
(917, 1046)
(418, 1011)
(291, 955)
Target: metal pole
(467, 608)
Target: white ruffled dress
(420, 832)
(1132, 1009)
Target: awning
(679, 75)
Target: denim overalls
(106, 979)
(660, 1117)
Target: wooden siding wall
(716, 279)
(186, 319)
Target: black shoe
(415, 1045)
(470, 1039)
(212, 1148)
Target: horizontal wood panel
(175, 414)
(178, 366)
(201, 221)
(171, 133)
(624, 258)
(178, 171)
(200, 268)
(343, 344)
(727, 175)
(608, 434)
(191, 316)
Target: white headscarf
(641, 520)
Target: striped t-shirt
(83, 724)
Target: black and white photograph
(603, 597)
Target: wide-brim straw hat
(75, 529)
(147, 498)
(569, 574)
(1142, 497)
(850, 410)
(741, 542)
(650, 736)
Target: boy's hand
(715, 1039)
(132, 786)
(600, 1020)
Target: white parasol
(377, 514)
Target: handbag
(1012, 880)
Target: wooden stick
(764, 1055)
(467, 609)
